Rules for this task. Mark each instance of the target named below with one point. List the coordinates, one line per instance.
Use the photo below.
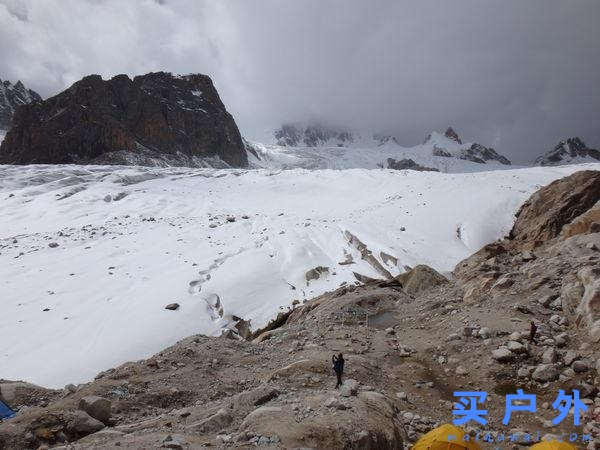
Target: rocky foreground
(409, 343)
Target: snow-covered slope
(352, 157)
(321, 147)
(219, 243)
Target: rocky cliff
(154, 119)
(11, 97)
(571, 151)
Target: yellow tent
(447, 437)
(553, 445)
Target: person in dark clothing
(532, 331)
(338, 367)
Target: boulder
(549, 356)
(588, 310)
(349, 388)
(503, 354)
(580, 366)
(83, 424)
(545, 372)
(516, 347)
(97, 407)
(420, 278)
(215, 422)
(569, 357)
(543, 216)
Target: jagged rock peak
(451, 134)
(11, 97)
(573, 150)
(153, 119)
(314, 135)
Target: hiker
(338, 367)
(532, 331)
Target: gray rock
(335, 403)
(549, 356)
(580, 366)
(516, 347)
(172, 306)
(523, 372)
(561, 339)
(484, 333)
(97, 407)
(349, 387)
(503, 354)
(569, 357)
(83, 424)
(545, 372)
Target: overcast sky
(517, 75)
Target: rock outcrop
(543, 216)
(11, 97)
(154, 119)
(408, 164)
(571, 151)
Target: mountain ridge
(153, 119)
(11, 97)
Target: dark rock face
(475, 152)
(11, 97)
(154, 119)
(451, 134)
(567, 150)
(408, 164)
(543, 216)
(480, 154)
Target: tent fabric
(5, 411)
(553, 445)
(447, 437)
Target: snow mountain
(317, 135)
(12, 96)
(571, 151)
(318, 147)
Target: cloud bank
(512, 74)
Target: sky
(516, 75)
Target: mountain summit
(571, 151)
(450, 145)
(12, 96)
(152, 119)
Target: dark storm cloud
(519, 75)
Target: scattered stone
(172, 306)
(53, 244)
(580, 366)
(460, 370)
(545, 372)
